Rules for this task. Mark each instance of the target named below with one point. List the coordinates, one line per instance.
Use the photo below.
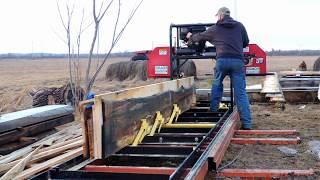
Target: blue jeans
(235, 69)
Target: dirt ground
(306, 121)
(17, 77)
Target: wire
(230, 163)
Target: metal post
(171, 55)
(231, 93)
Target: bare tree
(89, 81)
(91, 74)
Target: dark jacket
(227, 35)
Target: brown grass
(17, 75)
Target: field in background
(19, 76)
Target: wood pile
(51, 151)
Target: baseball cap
(223, 11)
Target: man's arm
(245, 37)
(204, 36)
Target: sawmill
(159, 131)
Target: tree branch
(92, 80)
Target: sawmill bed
(173, 153)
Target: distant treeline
(293, 53)
(51, 55)
(130, 54)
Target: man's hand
(189, 35)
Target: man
(229, 37)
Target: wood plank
(45, 153)
(97, 127)
(48, 154)
(265, 173)
(19, 167)
(117, 115)
(50, 163)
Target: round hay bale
(316, 65)
(189, 69)
(302, 66)
(128, 70)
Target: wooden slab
(117, 115)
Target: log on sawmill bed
(117, 116)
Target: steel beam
(274, 141)
(266, 132)
(263, 173)
(129, 169)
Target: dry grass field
(18, 76)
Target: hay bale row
(129, 70)
(137, 70)
(189, 69)
(316, 65)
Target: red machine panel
(159, 62)
(257, 64)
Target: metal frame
(176, 58)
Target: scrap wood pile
(51, 151)
(54, 95)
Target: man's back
(228, 36)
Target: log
(117, 115)
(32, 116)
(49, 164)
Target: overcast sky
(34, 25)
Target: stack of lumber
(22, 128)
(51, 151)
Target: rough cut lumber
(46, 154)
(71, 127)
(50, 163)
(61, 144)
(19, 167)
(117, 115)
(34, 129)
(15, 155)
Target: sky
(35, 26)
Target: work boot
(245, 128)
